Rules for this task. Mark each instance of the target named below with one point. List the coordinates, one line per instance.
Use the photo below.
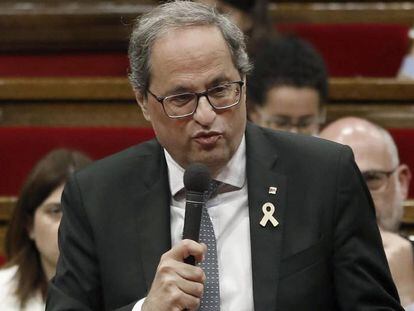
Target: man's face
(386, 180)
(291, 109)
(193, 59)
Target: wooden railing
(6, 208)
(68, 102)
(391, 12)
(105, 25)
(111, 102)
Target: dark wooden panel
(371, 89)
(341, 89)
(68, 25)
(343, 12)
(386, 115)
(110, 102)
(105, 25)
(71, 114)
(6, 207)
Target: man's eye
(305, 122)
(219, 91)
(371, 176)
(281, 122)
(182, 99)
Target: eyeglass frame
(387, 174)
(270, 120)
(198, 95)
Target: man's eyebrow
(220, 80)
(179, 89)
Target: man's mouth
(207, 139)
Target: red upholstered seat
(404, 138)
(76, 64)
(22, 147)
(370, 50)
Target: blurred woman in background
(31, 240)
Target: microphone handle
(193, 209)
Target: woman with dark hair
(31, 239)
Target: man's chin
(213, 159)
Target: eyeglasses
(377, 180)
(303, 124)
(220, 97)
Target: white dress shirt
(9, 301)
(230, 217)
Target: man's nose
(205, 113)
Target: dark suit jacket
(325, 254)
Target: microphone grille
(196, 177)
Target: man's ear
(254, 113)
(404, 178)
(142, 101)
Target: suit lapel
(153, 216)
(266, 242)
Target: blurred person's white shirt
(8, 299)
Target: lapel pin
(272, 190)
(268, 211)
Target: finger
(194, 289)
(191, 273)
(181, 270)
(187, 302)
(184, 249)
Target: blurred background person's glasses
(304, 124)
(377, 180)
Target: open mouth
(208, 139)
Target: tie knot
(212, 189)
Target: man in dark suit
(293, 222)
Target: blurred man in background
(388, 181)
(251, 16)
(288, 87)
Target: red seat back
(404, 138)
(369, 50)
(22, 147)
(76, 64)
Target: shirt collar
(233, 174)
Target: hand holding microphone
(179, 284)
(196, 182)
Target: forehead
(190, 53)
(371, 153)
(292, 101)
(55, 195)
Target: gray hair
(175, 15)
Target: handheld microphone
(196, 182)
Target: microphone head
(197, 178)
